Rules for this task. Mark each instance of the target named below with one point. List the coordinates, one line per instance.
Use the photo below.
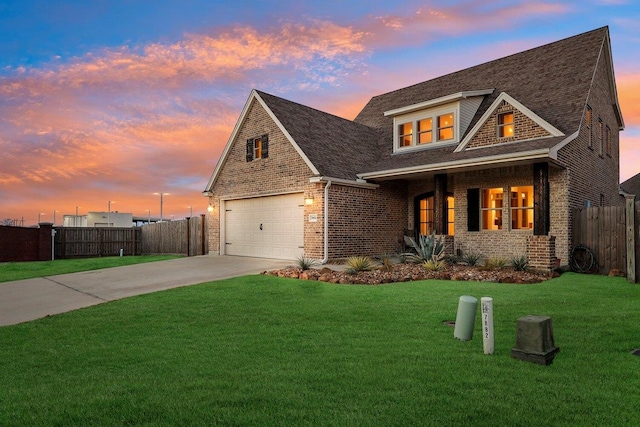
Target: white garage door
(267, 227)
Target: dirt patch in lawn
(411, 272)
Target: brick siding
(524, 128)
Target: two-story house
(494, 156)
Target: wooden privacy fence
(612, 235)
(81, 242)
(185, 237)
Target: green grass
(262, 351)
(27, 270)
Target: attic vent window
(505, 125)
(257, 148)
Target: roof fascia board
(438, 101)
(254, 96)
(612, 80)
(232, 137)
(553, 151)
(345, 182)
(459, 164)
(516, 104)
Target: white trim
(459, 164)
(343, 182)
(225, 153)
(553, 151)
(256, 196)
(517, 105)
(438, 101)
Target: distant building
(99, 219)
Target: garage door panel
(282, 219)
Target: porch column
(440, 204)
(541, 212)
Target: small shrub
(427, 247)
(520, 262)
(434, 264)
(358, 263)
(471, 258)
(305, 263)
(386, 262)
(495, 262)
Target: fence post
(188, 235)
(202, 236)
(631, 238)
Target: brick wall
(366, 221)
(524, 128)
(283, 171)
(589, 174)
(541, 252)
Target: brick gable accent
(524, 129)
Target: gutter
(326, 223)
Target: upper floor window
(588, 123)
(422, 129)
(600, 136)
(505, 124)
(257, 148)
(607, 135)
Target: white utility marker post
(487, 324)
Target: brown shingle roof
(632, 185)
(337, 147)
(551, 80)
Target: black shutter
(473, 209)
(249, 150)
(265, 146)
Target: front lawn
(263, 350)
(27, 270)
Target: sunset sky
(116, 100)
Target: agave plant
(434, 265)
(427, 248)
(305, 263)
(359, 263)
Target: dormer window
(436, 122)
(505, 125)
(417, 130)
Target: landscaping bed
(406, 272)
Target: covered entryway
(267, 227)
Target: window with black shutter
(257, 148)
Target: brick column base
(541, 253)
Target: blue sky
(116, 100)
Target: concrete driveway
(25, 300)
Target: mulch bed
(410, 272)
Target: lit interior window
(505, 125)
(405, 132)
(491, 208)
(426, 215)
(450, 215)
(257, 148)
(425, 131)
(445, 127)
(521, 204)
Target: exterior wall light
(308, 200)
(209, 208)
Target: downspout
(326, 223)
